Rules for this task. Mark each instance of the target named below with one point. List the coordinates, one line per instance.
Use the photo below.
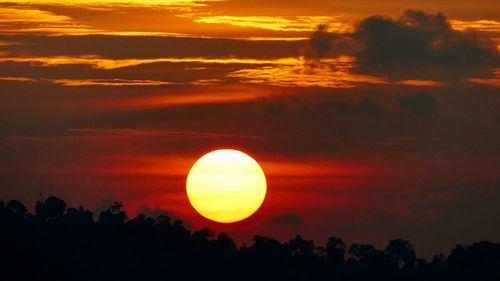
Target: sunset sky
(370, 120)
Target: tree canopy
(60, 243)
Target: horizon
(61, 243)
(61, 212)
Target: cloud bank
(417, 45)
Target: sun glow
(226, 186)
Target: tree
(298, 247)
(69, 245)
(113, 216)
(267, 248)
(365, 253)
(17, 208)
(51, 209)
(225, 245)
(335, 250)
(401, 253)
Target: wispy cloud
(429, 83)
(481, 25)
(297, 24)
(335, 74)
(103, 63)
(493, 81)
(98, 132)
(109, 82)
(26, 19)
(17, 15)
(18, 79)
(119, 2)
(90, 82)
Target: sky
(371, 120)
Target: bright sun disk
(226, 186)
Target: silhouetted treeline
(60, 243)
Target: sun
(226, 186)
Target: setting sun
(226, 186)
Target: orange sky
(368, 128)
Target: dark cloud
(288, 219)
(420, 103)
(112, 47)
(172, 72)
(415, 46)
(459, 8)
(325, 44)
(320, 41)
(306, 122)
(420, 45)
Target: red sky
(381, 124)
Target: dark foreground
(59, 243)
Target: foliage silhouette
(60, 243)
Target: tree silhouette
(402, 253)
(51, 209)
(300, 248)
(17, 208)
(114, 216)
(59, 243)
(335, 251)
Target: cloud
(298, 23)
(415, 46)
(17, 19)
(317, 74)
(147, 47)
(320, 41)
(109, 82)
(420, 103)
(288, 219)
(421, 45)
(323, 43)
(481, 25)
